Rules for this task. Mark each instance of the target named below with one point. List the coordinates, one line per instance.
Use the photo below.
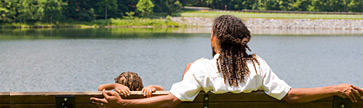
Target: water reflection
(79, 33)
(86, 33)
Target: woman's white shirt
(203, 75)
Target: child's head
(131, 80)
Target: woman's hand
(148, 90)
(349, 91)
(110, 100)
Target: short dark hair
(131, 80)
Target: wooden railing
(205, 100)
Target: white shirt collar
(216, 56)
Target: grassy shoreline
(270, 15)
(137, 22)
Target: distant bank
(326, 24)
(204, 18)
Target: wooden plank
(4, 97)
(270, 105)
(249, 104)
(85, 106)
(191, 105)
(32, 99)
(255, 99)
(83, 99)
(32, 106)
(199, 98)
(256, 96)
(80, 97)
(86, 98)
(359, 104)
(4, 93)
(182, 105)
(134, 95)
(91, 93)
(4, 105)
(259, 96)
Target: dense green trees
(172, 6)
(168, 6)
(144, 7)
(336, 5)
(31, 10)
(7, 11)
(52, 11)
(107, 6)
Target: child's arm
(106, 86)
(119, 88)
(157, 87)
(150, 89)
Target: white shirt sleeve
(189, 87)
(272, 85)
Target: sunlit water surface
(82, 59)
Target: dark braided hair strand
(233, 37)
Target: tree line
(286, 5)
(51, 11)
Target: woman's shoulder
(200, 60)
(202, 66)
(260, 66)
(200, 63)
(260, 60)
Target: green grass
(27, 25)
(270, 15)
(137, 22)
(98, 23)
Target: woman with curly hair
(232, 69)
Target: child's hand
(148, 91)
(119, 88)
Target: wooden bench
(204, 100)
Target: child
(127, 81)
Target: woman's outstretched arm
(113, 100)
(300, 95)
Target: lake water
(82, 59)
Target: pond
(82, 59)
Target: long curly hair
(131, 80)
(233, 37)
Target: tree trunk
(106, 12)
(169, 12)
